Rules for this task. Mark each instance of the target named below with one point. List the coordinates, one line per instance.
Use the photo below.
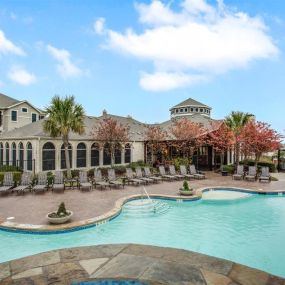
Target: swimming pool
(250, 231)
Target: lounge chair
(41, 185)
(183, 172)
(239, 175)
(98, 179)
(251, 175)
(113, 180)
(172, 172)
(194, 172)
(140, 176)
(149, 175)
(131, 179)
(58, 182)
(164, 175)
(264, 176)
(8, 183)
(84, 183)
(25, 184)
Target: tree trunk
(67, 158)
(237, 147)
(222, 160)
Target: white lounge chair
(194, 172)
(8, 183)
(131, 179)
(164, 175)
(183, 172)
(148, 174)
(251, 175)
(172, 172)
(25, 184)
(41, 185)
(98, 179)
(58, 185)
(113, 180)
(140, 176)
(264, 176)
(84, 183)
(239, 175)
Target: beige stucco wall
(22, 118)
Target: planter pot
(60, 220)
(186, 192)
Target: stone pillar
(101, 153)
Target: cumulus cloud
(199, 39)
(99, 26)
(65, 67)
(7, 46)
(163, 81)
(21, 76)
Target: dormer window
(186, 109)
(196, 109)
(176, 111)
(24, 110)
(192, 109)
(181, 110)
(201, 110)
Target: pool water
(109, 282)
(250, 231)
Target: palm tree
(62, 117)
(236, 121)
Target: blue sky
(141, 57)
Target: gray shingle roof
(189, 102)
(137, 129)
(6, 101)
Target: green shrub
(251, 162)
(134, 165)
(185, 186)
(181, 161)
(230, 168)
(16, 176)
(10, 168)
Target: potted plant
(185, 190)
(61, 216)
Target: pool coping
(151, 265)
(116, 210)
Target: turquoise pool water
(250, 231)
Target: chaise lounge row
(252, 175)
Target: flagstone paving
(32, 208)
(148, 264)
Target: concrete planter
(186, 192)
(60, 220)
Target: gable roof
(189, 102)
(6, 101)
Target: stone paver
(91, 265)
(248, 276)
(28, 273)
(149, 264)
(4, 270)
(97, 202)
(124, 265)
(215, 278)
(46, 258)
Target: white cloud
(21, 76)
(65, 67)
(6, 46)
(99, 26)
(163, 81)
(199, 39)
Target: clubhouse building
(23, 142)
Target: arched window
(48, 156)
(14, 154)
(106, 155)
(81, 155)
(29, 156)
(95, 154)
(62, 156)
(21, 155)
(118, 154)
(7, 148)
(127, 153)
(1, 154)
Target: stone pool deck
(149, 264)
(29, 211)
